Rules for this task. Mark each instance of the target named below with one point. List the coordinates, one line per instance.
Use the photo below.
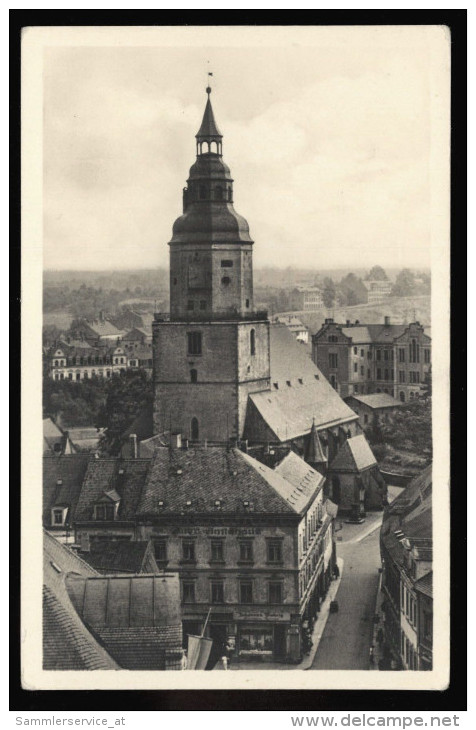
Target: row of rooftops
(407, 531)
(359, 333)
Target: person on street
(183, 661)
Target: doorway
(217, 632)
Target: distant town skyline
(328, 144)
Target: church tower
(213, 350)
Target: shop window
(217, 592)
(256, 641)
(275, 592)
(275, 551)
(217, 551)
(188, 551)
(194, 340)
(246, 551)
(188, 591)
(246, 591)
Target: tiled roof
(204, 476)
(357, 334)
(117, 555)
(377, 400)
(425, 584)
(137, 617)
(68, 469)
(67, 642)
(103, 475)
(289, 410)
(305, 480)
(104, 328)
(355, 454)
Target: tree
(353, 290)
(376, 273)
(127, 394)
(404, 284)
(329, 293)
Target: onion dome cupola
(208, 212)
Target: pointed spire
(208, 127)
(314, 450)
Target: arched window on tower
(203, 192)
(194, 429)
(218, 192)
(252, 342)
(214, 147)
(229, 195)
(193, 375)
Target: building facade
(294, 325)
(253, 545)
(378, 291)
(366, 358)
(306, 299)
(406, 547)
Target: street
(346, 638)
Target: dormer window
(58, 516)
(104, 512)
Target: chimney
(357, 321)
(347, 321)
(175, 440)
(133, 445)
(387, 321)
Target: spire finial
(208, 90)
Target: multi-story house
(378, 291)
(253, 545)
(306, 299)
(406, 550)
(367, 358)
(77, 360)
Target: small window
(355, 350)
(252, 342)
(226, 263)
(229, 195)
(246, 551)
(217, 551)
(362, 371)
(361, 353)
(104, 512)
(188, 550)
(188, 591)
(275, 592)
(247, 304)
(203, 304)
(218, 193)
(246, 592)
(368, 374)
(366, 418)
(226, 280)
(379, 354)
(427, 356)
(160, 547)
(275, 552)
(332, 360)
(194, 430)
(193, 375)
(385, 354)
(217, 592)
(194, 343)
(355, 367)
(58, 517)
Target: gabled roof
(209, 475)
(289, 410)
(67, 643)
(377, 400)
(125, 556)
(305, 480)
(136, 617)
(135, 333)
(357, 334)
(104, 328)
(69, 469)
(425, 584)
(104, 475)
(208, 127)
(355, 454)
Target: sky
(328, 143)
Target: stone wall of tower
(226, 372)
(211, 278)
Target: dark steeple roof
(209, 126)
(314, 452)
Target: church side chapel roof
(305, 480)
(126, 477)
(211, 479)
(289, 409)
(355, 454)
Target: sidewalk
(378, 648)
(317, 632)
